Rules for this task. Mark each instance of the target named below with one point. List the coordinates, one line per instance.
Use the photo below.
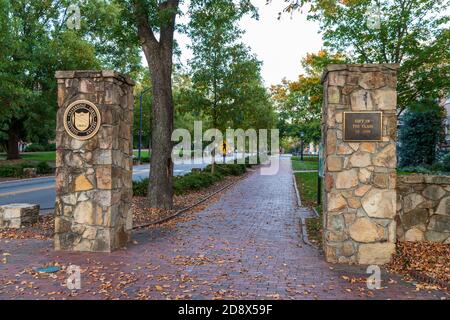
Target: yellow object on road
(225, 149)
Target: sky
(279, 44)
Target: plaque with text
(362, 126)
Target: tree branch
(145, 32)
(168, 26)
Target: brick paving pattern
(247, 245)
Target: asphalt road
(42, 190)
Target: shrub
(194, 180)
(140, 188)
(145, 159)
(36, 147)
(417, 169)
(446, 161)
(16, 170)
(231, 169)
(43, 168)
(439, 167)
(11, 171)
(420, 134)
(435, 168)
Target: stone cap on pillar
(358, 67)
(94, 74)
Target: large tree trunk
(159, 58)
(13, 141)
(160, 193)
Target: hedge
(196, 180)
(35, 147)
(16, 170)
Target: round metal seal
(82, 120)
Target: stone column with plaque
(93, 161)
(359, 137)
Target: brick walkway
(247, 245)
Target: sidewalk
(247, 245)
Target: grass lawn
(308, 163)
(307, 186)
(144, 154)
(35, 156)
(51, 155)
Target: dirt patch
(314, 229)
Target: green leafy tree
(222, 69)
(143, 86)
(299, 103)
(34, 45)
(413, 33)
(150, 25)
(421, 133)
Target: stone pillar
(93, 161)
(359, 136)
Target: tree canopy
(35, 43)
(299, 103)
(413, 33)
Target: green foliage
(229, 169)
(140, 187)
(12, 170)
(195, 180)
(307, 186)
(143, 86)
(49, 156)
(226, 84)
(307, 164)
(299, 103)
(446, 160)
(438, 167)
(36, 147)
(16, 170)
(435, 169)
(420, 134)
(145, 159)
(35, 43)
(413, 33)
(43, 168)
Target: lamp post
(140, 123)
(302, 134)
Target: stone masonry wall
(360, 177)
(94, 177)
(423, 208)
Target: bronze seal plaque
(363, 126)
(82, 120)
